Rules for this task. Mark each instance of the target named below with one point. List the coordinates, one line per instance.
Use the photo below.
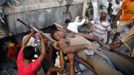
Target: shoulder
(124, 3)
(36, 62)
(94, 21)
(105, 23)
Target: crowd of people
(49, 51)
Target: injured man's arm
(92, 37)
(75, 48)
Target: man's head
(57, 35)
(67, 21)
(103, 14)
(117, 1)
(29, 52)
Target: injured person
(84, 49)
(64, 45)
(98, 60)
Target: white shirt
(73, 26)
(31, 41)
(116, 8)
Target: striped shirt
(100, 29)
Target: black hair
(67, 21)
(29, 52)
(52, 34)
(1, 47)
(116, 2)
(50, 28)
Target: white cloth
(31, 41)
(57, 61)
(100, 29)
(116, 8)
(73, 26)
(57, 64)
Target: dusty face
(58, 35)
(45, 40)
(103, 15)
(117, 1)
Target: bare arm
(62, 60)
(49, 55)
(76, 48)
(71, 62)
(43, 51)
(87, 36)
(92, 37)
(54, 69)
(25, 40)
(117, 17)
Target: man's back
(27, 69)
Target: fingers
(40, 34)
(55, 45)
(114, 24)
(61, 70)
(107, 47)
(70, 56)
(90, 46)
(32, 31)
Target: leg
(128, 35)
(121, 25)
(101, 66)
(119, 29)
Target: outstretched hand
(114, 25)
(32, 31)
(55, 45)
(59, 27)
(40, 34)
(71, 58)
(90, 46)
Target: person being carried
(64, 45)
(101, 68)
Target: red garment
(27, 69)
(11, 52)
